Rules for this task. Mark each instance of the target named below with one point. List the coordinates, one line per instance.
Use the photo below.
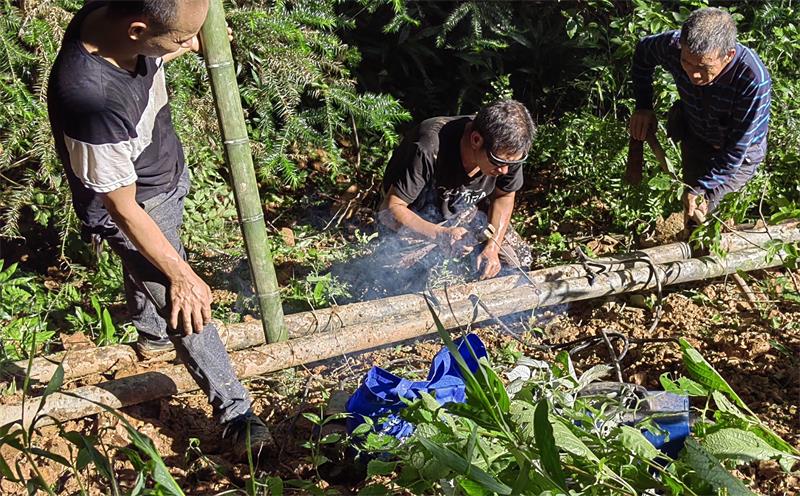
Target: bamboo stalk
(173, 379)
(219, 61)
(112, 359)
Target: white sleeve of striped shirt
(101, 167)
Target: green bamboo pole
(219, 60)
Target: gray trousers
(696, 159)
(147, 294)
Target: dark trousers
(147, 293)
(696, 159)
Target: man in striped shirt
(722, 115)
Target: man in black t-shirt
(110, 118)
(447, 167)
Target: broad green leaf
(708, 468)
(593, 374)
(742, 446)
(374, 490)
(634, 440)
(313, 418)
(429, 401)
(701, 371)
(160, 473)
(472, 488)
(752, 423)
(522, 416)
(724, 404)
(275, 486)
(333, 437)
(380, 467)
(683, 385)
(462, 467)
(569, 442)
(546, 443)
(55, 382)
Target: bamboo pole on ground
(174, 379)
(110, 359)
(219, 60)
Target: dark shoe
(148, 348)
(245, 433)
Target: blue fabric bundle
(379, 396)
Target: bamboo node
(237, 141)
(255, 218)
(219, 64)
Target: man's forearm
(399, 217)
(500, 214)
(145, 234)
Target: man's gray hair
(709, 31)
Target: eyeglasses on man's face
(499, 162)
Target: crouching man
(722, 115)
(113, 131)
(447, 169)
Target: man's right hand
(455, 241)
(642, 122)
(190, 301)
(190, 297)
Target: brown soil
(757, 351)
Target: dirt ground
(751, 348)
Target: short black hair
(709, 31)
(162, 13)
(506, 127)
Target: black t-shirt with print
(427, 173)
(112, 127)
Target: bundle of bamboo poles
(367, 325)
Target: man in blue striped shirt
(722, 116)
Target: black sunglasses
(499, 162)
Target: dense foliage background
(328, 87)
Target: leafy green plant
(545, 438)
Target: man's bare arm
(395, 214)
(190, 297)
(499, 217)
(500, 213)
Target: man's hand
(489, 260)
(455, 241)
(197, 46)
(643, 121)
(190, 299)
(695, 207)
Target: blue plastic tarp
(379, 396)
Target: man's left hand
(198, 47)
(489, 260)
(696, 207)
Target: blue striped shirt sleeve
(651, 51)
(750, 119)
